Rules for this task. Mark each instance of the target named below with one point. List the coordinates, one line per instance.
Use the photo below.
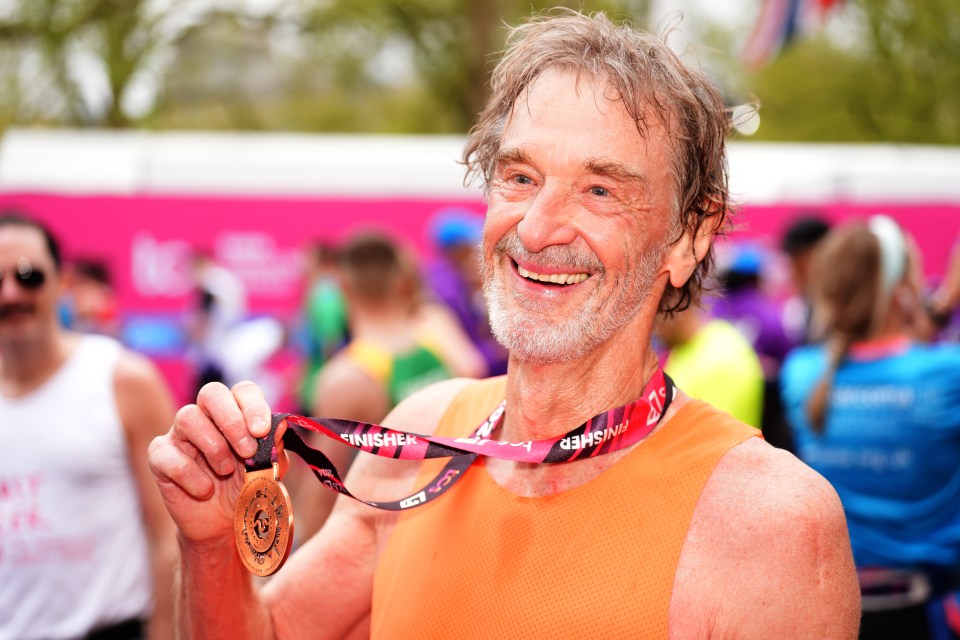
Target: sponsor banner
(147, 242)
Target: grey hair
(650, 80)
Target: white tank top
(73, 546)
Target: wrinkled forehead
(647, 113)
(631, 142)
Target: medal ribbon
(266, 454)
(605, 433)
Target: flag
(779, 23)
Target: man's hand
(198, 463)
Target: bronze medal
(263, 522)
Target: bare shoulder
(143, 398)
(774, 481)
(345, 390)
(767, 554)
(135, 369)
(341, 373)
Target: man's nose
(547, 220)
(8, 288)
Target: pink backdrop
(147, 242)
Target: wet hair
(846, 294)
(370, 263)
(651, 81)
(18, 219)
(92, 269)
(803, 234)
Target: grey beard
(534, 337)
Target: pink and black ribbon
(607, 432)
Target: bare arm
(199, 473)
(325, 589)
(346, 391)
(947, 296)
(767, 555)
(146, 411)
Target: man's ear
(684, 256)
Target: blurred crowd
(828, 339)
(372, 302)
(369, 301)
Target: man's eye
(599, 191)
(522, 179)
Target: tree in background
(386, 66)
(309, 65)
(76, 62)
(894, 78)
(421, 66)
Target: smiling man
(604, 164)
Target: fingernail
(227, 467)
(248, 447)
(261, 425)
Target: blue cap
(747, 259)
(455, 227)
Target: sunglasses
(29, 278)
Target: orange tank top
(596, 561)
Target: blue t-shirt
(891, 449)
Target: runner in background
(219, 305)
(746, 302)
(324, 317)
(89, 303)
(798, 242)
(710, 359)
(454, 278)
(86, 546)
(943, 303)
(399, 344)
(877, 413)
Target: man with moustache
(604, 165)
(85, 542)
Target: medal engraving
(263, 522)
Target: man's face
(581, 199)
(25, 312)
